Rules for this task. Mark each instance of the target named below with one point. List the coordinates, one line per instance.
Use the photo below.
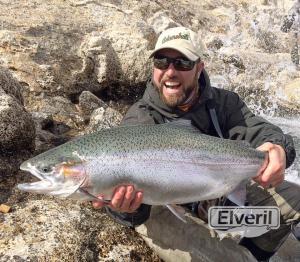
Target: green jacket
(235, 119)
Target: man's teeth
(171, 84)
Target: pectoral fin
(90, 197)
(178, 211)
(238, 195)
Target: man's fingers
(118, 197)
(128, 197)
(98, 204)
(124, 199)
(260, 182)
(137, 201)
(269, 179)
(273, 174)
(264, 165)
(267, 176)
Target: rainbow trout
(171, 163)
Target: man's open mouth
(171, 84)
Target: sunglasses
(180, 64)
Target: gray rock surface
(17, 131)
(174, 240)
(103, 118)
(49, 133)
(60, 109)
(46, 229)
(88, 102)
(9, 85)
(61, 51)
(103, 46)
(16, 126)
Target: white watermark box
(252, 221)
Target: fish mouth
(48, 184)
(31, 169)
(41, 186)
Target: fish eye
(46, 169)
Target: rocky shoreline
(68, 68)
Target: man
(180, 88)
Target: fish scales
(170, 163)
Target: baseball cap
(182, 40)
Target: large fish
(171, 163)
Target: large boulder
(103, 118)
(16, 126)
(10, 86)
(111, 59)
(53, 230)
(88, 102)
(174, 240)
(104, 47)
(17, 131)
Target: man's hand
(124, 199)
(272, 172)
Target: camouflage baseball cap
(182, 40)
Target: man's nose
(170, 71)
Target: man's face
(175, 86)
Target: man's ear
(200, 66)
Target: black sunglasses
(180, 64)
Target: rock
(292, 91)
(219, 81)
(215, 43)
(45, 229)
(290, 97)
(174, 240)
(235, 60)
(61, 110)
(17, 131)
(104, 48)
(49, 133)
(268, 41)
(4, 208)
(103, 118)
(112, 58)
(16, 126)
(291, 23)
(10, 85)
(88, 102)
(265, 94)
(161, 21)
(289, 251)
(10, 163)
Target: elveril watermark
(250, 221)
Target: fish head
(58, 175)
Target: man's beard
(176, 100)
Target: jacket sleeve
(137, 114)
(242, 124)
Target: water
(267, 107)
(291, 126)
